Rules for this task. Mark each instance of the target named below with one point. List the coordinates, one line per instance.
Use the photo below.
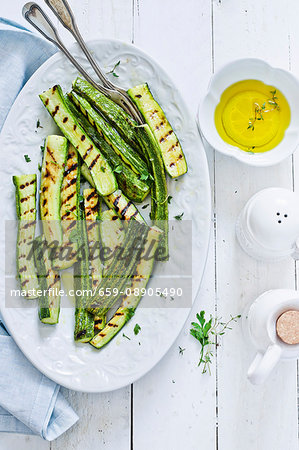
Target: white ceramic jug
(268, 227)
(260, 325)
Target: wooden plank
(263, 416)
(104, 421)
(292, 9)
(13, 441)
(174, 405)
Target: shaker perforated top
(273, 218)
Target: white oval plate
(52, 349)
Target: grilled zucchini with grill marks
(124, 207)
(49, 280)
(55, 153)
(159, 197)
(170, 147)
(84, 322)
(92, 207)
(121, 269)
(128, 181)
(101, 171)
(26, 212)
(69, 210)
(85, 172)
(121, 148)
(130, 302)
(112, 112)
(112, 234)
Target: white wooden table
(176, 407)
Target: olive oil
(252, 116)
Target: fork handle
(65, 15)
(34, 14)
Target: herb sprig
(207, 332)
(259, 111)
(112, 71)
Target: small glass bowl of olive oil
(251, 112)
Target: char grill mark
(92, 164)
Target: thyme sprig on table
(259, 111)
(207, 332)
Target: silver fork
(35, 15)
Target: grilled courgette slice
(113, 113)
(69, 210)
(84, 321)
(52, 173)
(123, 206)
(128, 181)
(26, 213)
(170, 147)
(92, 204)
(129, 304)
(49, 283)
(101, 171)
(92, 208)
(111, 136)
(159, 196)
(112, 235)
(117, 200)
(121, 269)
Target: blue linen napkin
(30, 403)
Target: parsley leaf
(118, 169)
(27, 159)
(137, 328)
(179, 216)
(206, 332)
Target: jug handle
(263, 364)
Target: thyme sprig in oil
(259, 111)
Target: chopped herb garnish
(103, 169)
(137, 328)
(145, 206)
(42, 147)
(81, 198)
(179, 216)
(181, 350)
(260, 110)
(27, 159)
(118, 169)
(145, 176)
(71, 212)
(125, 336)
(206, 332)
(113, 70)
(131, 313)
(169, 198)
(39, 167)
(38, 125)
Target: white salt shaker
(268, 226)
(272, 340)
